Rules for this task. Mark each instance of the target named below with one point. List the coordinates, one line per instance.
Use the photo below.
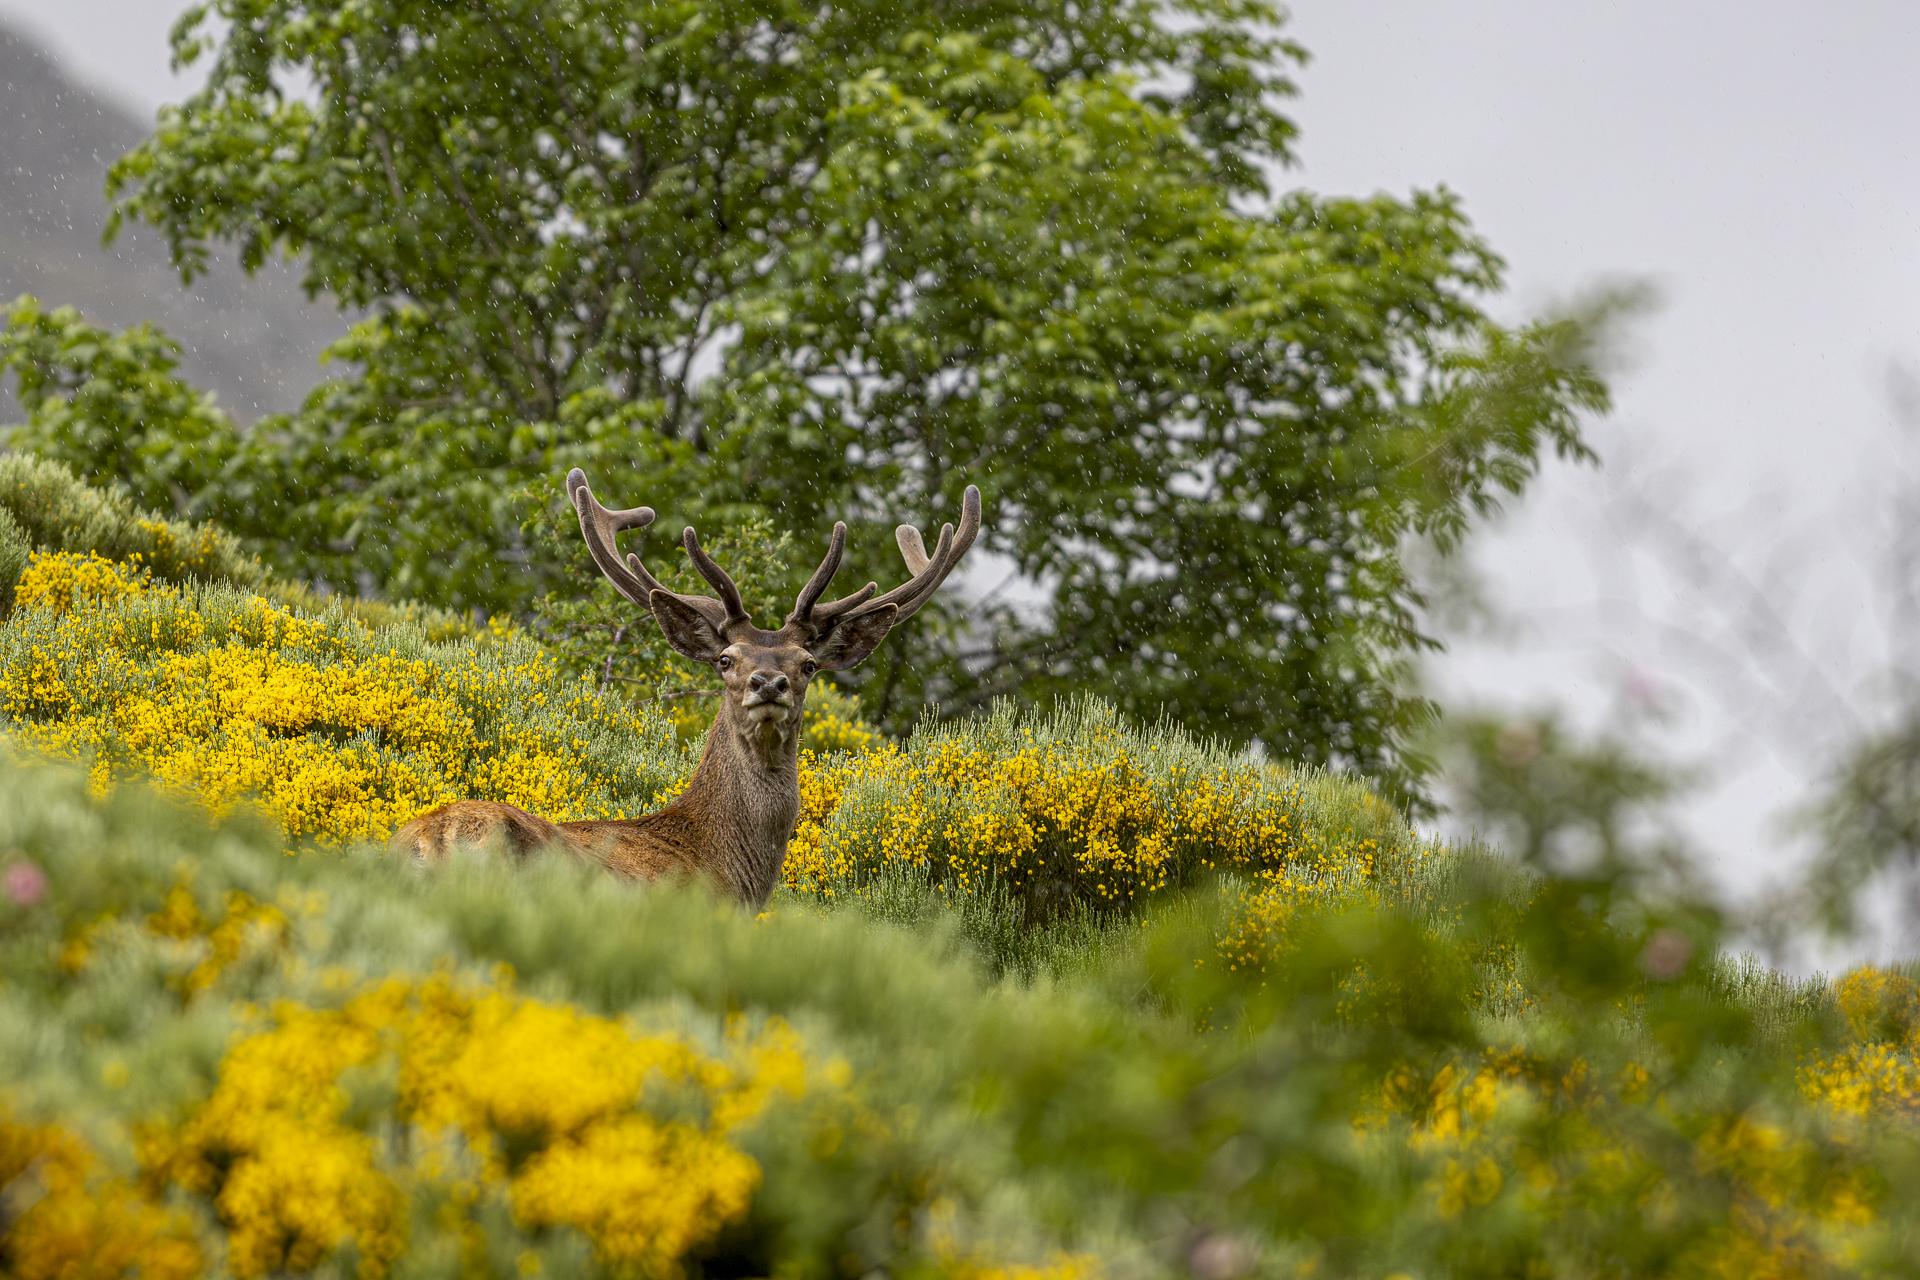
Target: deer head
(765, 673)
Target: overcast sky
(1756, 163)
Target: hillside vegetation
(1047, 993)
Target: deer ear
(685, 627)
(848, 644)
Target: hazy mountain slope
(253, 342)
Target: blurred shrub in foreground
(262, 1065)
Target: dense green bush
(45, 507)
(1136, 1107)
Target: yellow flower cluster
(1866, 1079)
(340, 742)
(183, 549)
(62, 1218)
(1879, 1074)
(1879, 1004)
(1262, 923)
(1517, 1127)
(218, 943)
(1085, 819)
(63, 581)
(321, 1126)
(1456, 1100)
(833, 724)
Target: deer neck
(747, 791)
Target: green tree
(116, 403)
(819, 262)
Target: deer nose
(767, 681)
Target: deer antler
(599, 525)
(729, 593)
(928, 571)
(803, 607)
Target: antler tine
(829, 565)
(847, 604)
(712, 572)
(917, 590)
(928, 571)
(912, 550)
(598, 525)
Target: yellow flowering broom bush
(342, 731)
(324, 1123)
(47, 509)
(1877, 1074)
(66, 1219)
(1077, 810)
(216, 1059)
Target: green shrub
(48, 509)
(14, 550)
(44, 507)
(181, 1000)
(342, 730)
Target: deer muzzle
(769, 696)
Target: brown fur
(730, 827)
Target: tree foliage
(834, 262)
(116, 403)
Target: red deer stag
(731, 825)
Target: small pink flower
(1219, 1257)
(1666, 954)
(25, 883)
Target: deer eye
(809, 667)
(726, 662)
